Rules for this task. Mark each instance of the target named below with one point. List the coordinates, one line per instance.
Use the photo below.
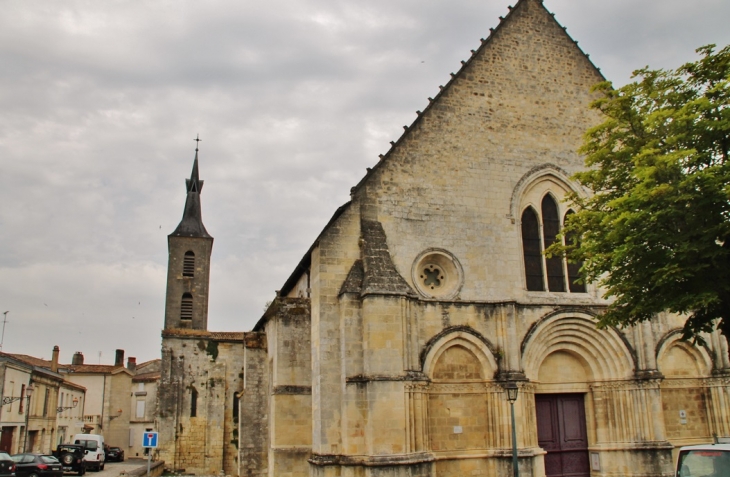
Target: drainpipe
(103, 395)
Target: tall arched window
(186, 307)
(532, 250)
(538, 268)
(189, 264)
(550, 230)
(573, 267)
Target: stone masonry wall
(290, 401)
(520, 103)
(197, 285)
(254, 412)
(200, 374)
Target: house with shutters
(116, 401)
(388, 350)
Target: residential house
(45, 383)
(107, 405)
(15, 376)
(143, 404)
(70, 416)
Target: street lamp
(9, 399)
(63, 408)
(512, 391)
(28, 392)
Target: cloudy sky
(293, 99)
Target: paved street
(113, 469)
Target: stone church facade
(387, 351)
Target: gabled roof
(71, 368)
(69, 384)
(455, 76)
(152, 365)
(306, 260)
(32, 360)
(96, 369)
(146, 377)
(304, 263)
(39, 365)
(16, 360)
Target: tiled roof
(155, 361)
(69, 384)
(32, 360)
(73, 368)
(146, 377)
(93, 368)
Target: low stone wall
(157, 468)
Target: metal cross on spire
(197, 141)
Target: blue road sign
(149, 439)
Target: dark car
(114, 454)
(37, 465)
(7, 465)
(71, 457)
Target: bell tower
(188, 265)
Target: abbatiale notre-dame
(387, 351)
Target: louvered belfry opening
(189, 264)
(186, 307)
(532, 250)
(573, 267)
(550, 231)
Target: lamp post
(63, 408)
(512, 391)
(9, 399)
(28, 392)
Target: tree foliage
(655, 232)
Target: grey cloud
(100, 103)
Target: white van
(709, 460)
(93, 450)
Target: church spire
(191, 224)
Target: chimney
(119, 360)
(78, 358)
(54, 359)
(132, 364)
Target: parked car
(93, 450)
(708, 460)
(114, 454)
(37, 465)
(7, 465)
(71, 457)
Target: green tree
(655, 232)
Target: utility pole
(5, 320)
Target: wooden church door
(561, 431)
(6, 441)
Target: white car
(706, 460)
(93, 450)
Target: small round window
(437, 273)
